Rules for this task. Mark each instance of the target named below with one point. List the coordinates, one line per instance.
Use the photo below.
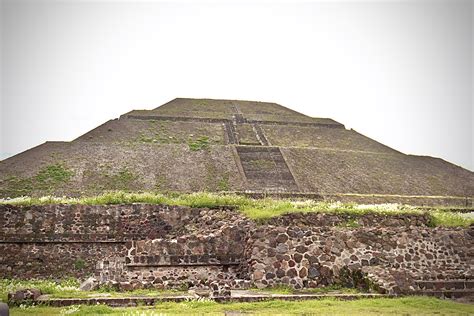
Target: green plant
(199, 144)
(79, 264)
(223, 184)
(350, 223)
(183, 287)
(53, 174)
(46, 180)
(450, 219)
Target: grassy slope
(398, 306)
(258, 209)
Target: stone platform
(236, 296)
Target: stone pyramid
(189, 145)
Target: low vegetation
(258, 209)
(45, 286)
(379, 306)
(200, 143)
(47, 179)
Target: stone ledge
(165, 265)
(146, 300)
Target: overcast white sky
(398, 72)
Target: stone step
(265, 168)
(239, 118)
(255, 162)
(438, 285)
(230, 132)
(260, 135)
(446, 293)
(283, 177)
(257, 149)
(236, 296)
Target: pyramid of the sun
(190, 145)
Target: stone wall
(385, 252)
(163, 246)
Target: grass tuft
(257, 209)
(200, 143)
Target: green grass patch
(257, 209)
(200, 143)
(45, 286)
(47, 180)
(79, 264)
(223, 184)
(451, 219)
(113, 179)
(53, 175)
(380, 306)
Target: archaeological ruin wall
(158, 246)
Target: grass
(53, 175)
(200, 143)
(47, 179)
(380, 306)
(257, 209)
(45, 286)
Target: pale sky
(399, 72)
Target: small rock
(4, 309)
(89, 284)
(313, 272)
(282, 248)
(291, 273)
(281, 238)
(126, 286)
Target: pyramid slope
(190, 145)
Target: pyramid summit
(190, 145)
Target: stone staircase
(460, 288)
(230, 137)
(260, 135)
(266, 169)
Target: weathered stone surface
(4, 310)
(89, 284)
(281, 238)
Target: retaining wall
(164, 246)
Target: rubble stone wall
(163, 246)
(151, 243)
(391, 253)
